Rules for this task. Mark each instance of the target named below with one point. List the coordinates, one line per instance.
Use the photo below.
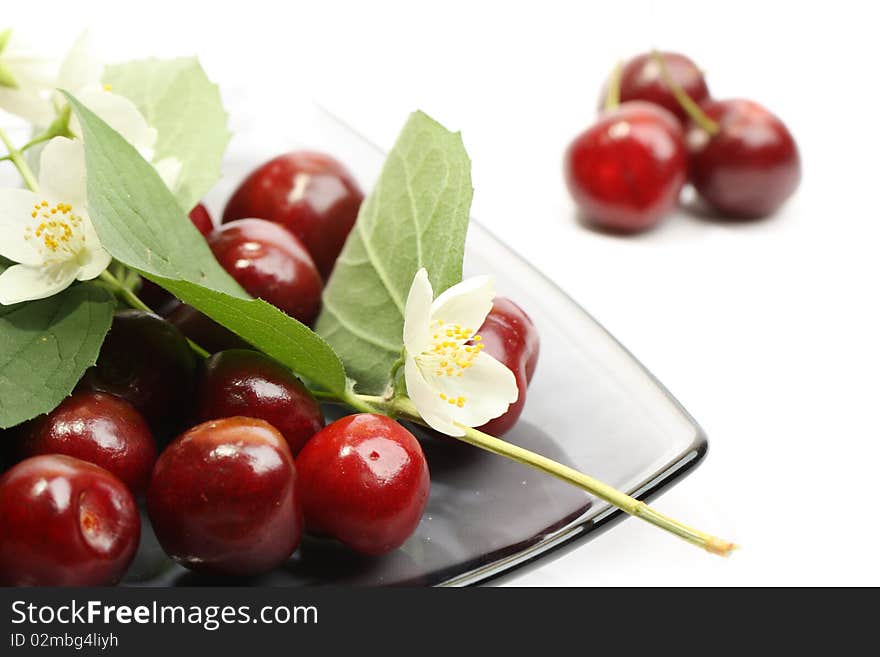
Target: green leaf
(268, 329)
(417, 216)
(46, 345)
(184, 106)
(140, 224)
(136, 217)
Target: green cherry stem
(126, 294)
(18, 160)
(362, 404)
(694, 111)
(133, 301)
(402, 407)
(612, 96)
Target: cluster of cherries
(230, 456)
(662, 130)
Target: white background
(767, 332)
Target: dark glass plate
(591, 405)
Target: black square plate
(591, 405)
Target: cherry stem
(404, 408)
(612, 97)
(133, 301)
(18, 160)
(325, 396)
(362, 403)
(694, 111)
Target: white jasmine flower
(452, 382)
(81, 74)
(49, 234)
(24, 81)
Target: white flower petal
(30, 72)
(16, 206)
(63, 172)
(33, 79)
(417, 315)
(466, 303)
(81, 68)
(487, 386)
(29, 68)
(96, 259)
(427, 400)
(24, 283)
(29, 104)
(169, 169)
(120, 114)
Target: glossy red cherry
(641, 79)
(65, 522)
(244, 382)
(223, 498)
(157, 298)
(364, 482)
(510, 336)
(271, 264)
(201, 219)
(750, 167)
(310, 194)
(627, 170)
(98, 428)
(148, 362)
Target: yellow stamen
(454, 347)
(60, 236)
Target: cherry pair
(226, 496)
(282, 231)
(627, 170)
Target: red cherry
(146, 361)
(364, 482)
(244, 382)
(270, 264)
(97, 428)
(65, 522)
(155, 297)
(223, 498)
(310, 194)
(201, 219)
(750, 167)
(510, 336)
(627, 170)
(641, 79)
